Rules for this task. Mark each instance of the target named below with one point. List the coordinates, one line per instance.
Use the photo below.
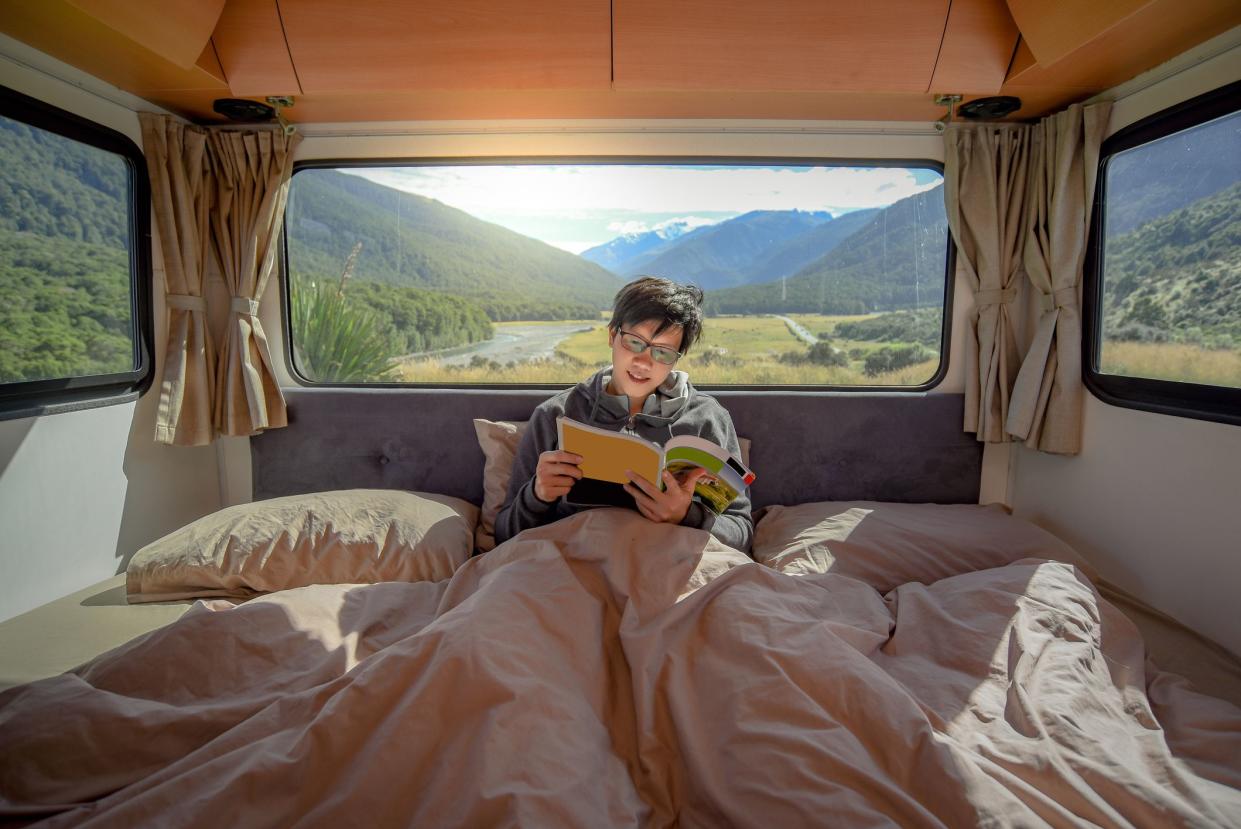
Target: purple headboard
(806, 446)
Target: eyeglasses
(659, 353)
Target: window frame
(756, 161)
(1219, 404)
(34, 398)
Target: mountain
(1179, 276)
(896, 260)
(58, 188)
(414, 241)
(723, 254)
(794, 254)
(1191, 165)
(618, 253)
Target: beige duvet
(606, 671)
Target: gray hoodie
(676, 408)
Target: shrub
(891, 358)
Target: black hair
(668, 302)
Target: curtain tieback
(1063, 297)
(995, 296)
(244, 305)
(186, 302)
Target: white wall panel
(81, 491)
(1153, 500)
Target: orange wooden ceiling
(376, 60)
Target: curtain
(181, 199)
(1046, 405)
(251, 172)
(985, 179)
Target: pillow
(886, 545)
(347, 537)
(498, 440)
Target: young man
(654, 322)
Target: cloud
(643, 189)
(640, 226)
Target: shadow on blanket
(605, 670)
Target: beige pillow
(498, 440)
(886, 545)
(348, 537)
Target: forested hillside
(412, 241)
(896, 260)
(64, 266)
(1179, 277)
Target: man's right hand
(556, 473)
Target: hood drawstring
(597, 390)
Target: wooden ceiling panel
(1160, 30)
(875, 46)
(404, 45)
(553, 104)
(978, 46)
(1056, 28)
(177, 31)
(209, 62)
(249, 39)
(67, 33)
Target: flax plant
(337, 342)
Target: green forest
(66, 309)
(64, 264)
(1178, 278)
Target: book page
(606, 455)
(709, 455)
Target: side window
(74, 208)
(815, 274)
(1164, 280)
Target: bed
(883, 662)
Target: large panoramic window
(504, 273)
(1166, 277)
(73, 271)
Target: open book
(606, 455)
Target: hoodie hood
(663, 405)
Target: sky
(578, 206)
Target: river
(511, 344)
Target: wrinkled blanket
(607, 671)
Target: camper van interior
(292, 293)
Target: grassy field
(733, 350)
(747, 350)
(1172, 361)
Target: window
(502, 272)
(1163, 286)
(74, 205)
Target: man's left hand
(667, 506)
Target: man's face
(637, 375)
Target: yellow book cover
(606, 455)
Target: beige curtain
(1046, 405)
(251, 172)
(984, 190)
(181, 199)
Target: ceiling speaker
(989, 109)
(244, 111)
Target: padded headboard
(805, 446)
